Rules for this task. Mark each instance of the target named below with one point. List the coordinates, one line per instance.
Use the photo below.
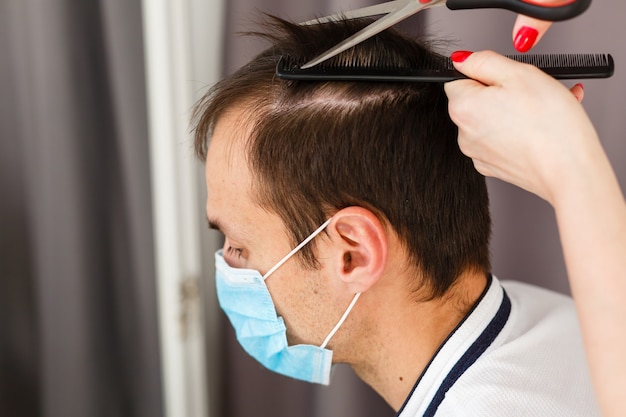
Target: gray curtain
(77, 288)
(525, 244)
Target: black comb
(440, 69)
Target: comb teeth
(439, 69)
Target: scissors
(398, 10)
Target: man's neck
(407, 333)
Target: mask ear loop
(296, 249)
(341, 320)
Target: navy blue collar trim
(473, 353)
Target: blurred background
(107, 305)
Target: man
(357, 232)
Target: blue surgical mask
(245, 299)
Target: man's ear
(359, 247)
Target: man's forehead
(226, 145)
(228, 177)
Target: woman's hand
(519, 124)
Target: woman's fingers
(578, 91)
(527, 32)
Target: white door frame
(182, 45)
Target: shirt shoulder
(536, 366)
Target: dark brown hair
(318, 147)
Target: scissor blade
(376, 9)
(410, 8)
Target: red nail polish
(525, 38)
(460, 56)
(582, 87)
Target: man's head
(315, 148)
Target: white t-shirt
(517, 353)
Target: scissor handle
(529, 8)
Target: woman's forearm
(591, 214)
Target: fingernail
(582, 87)
(525, 38)
(460, 56)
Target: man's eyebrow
(214, 224)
